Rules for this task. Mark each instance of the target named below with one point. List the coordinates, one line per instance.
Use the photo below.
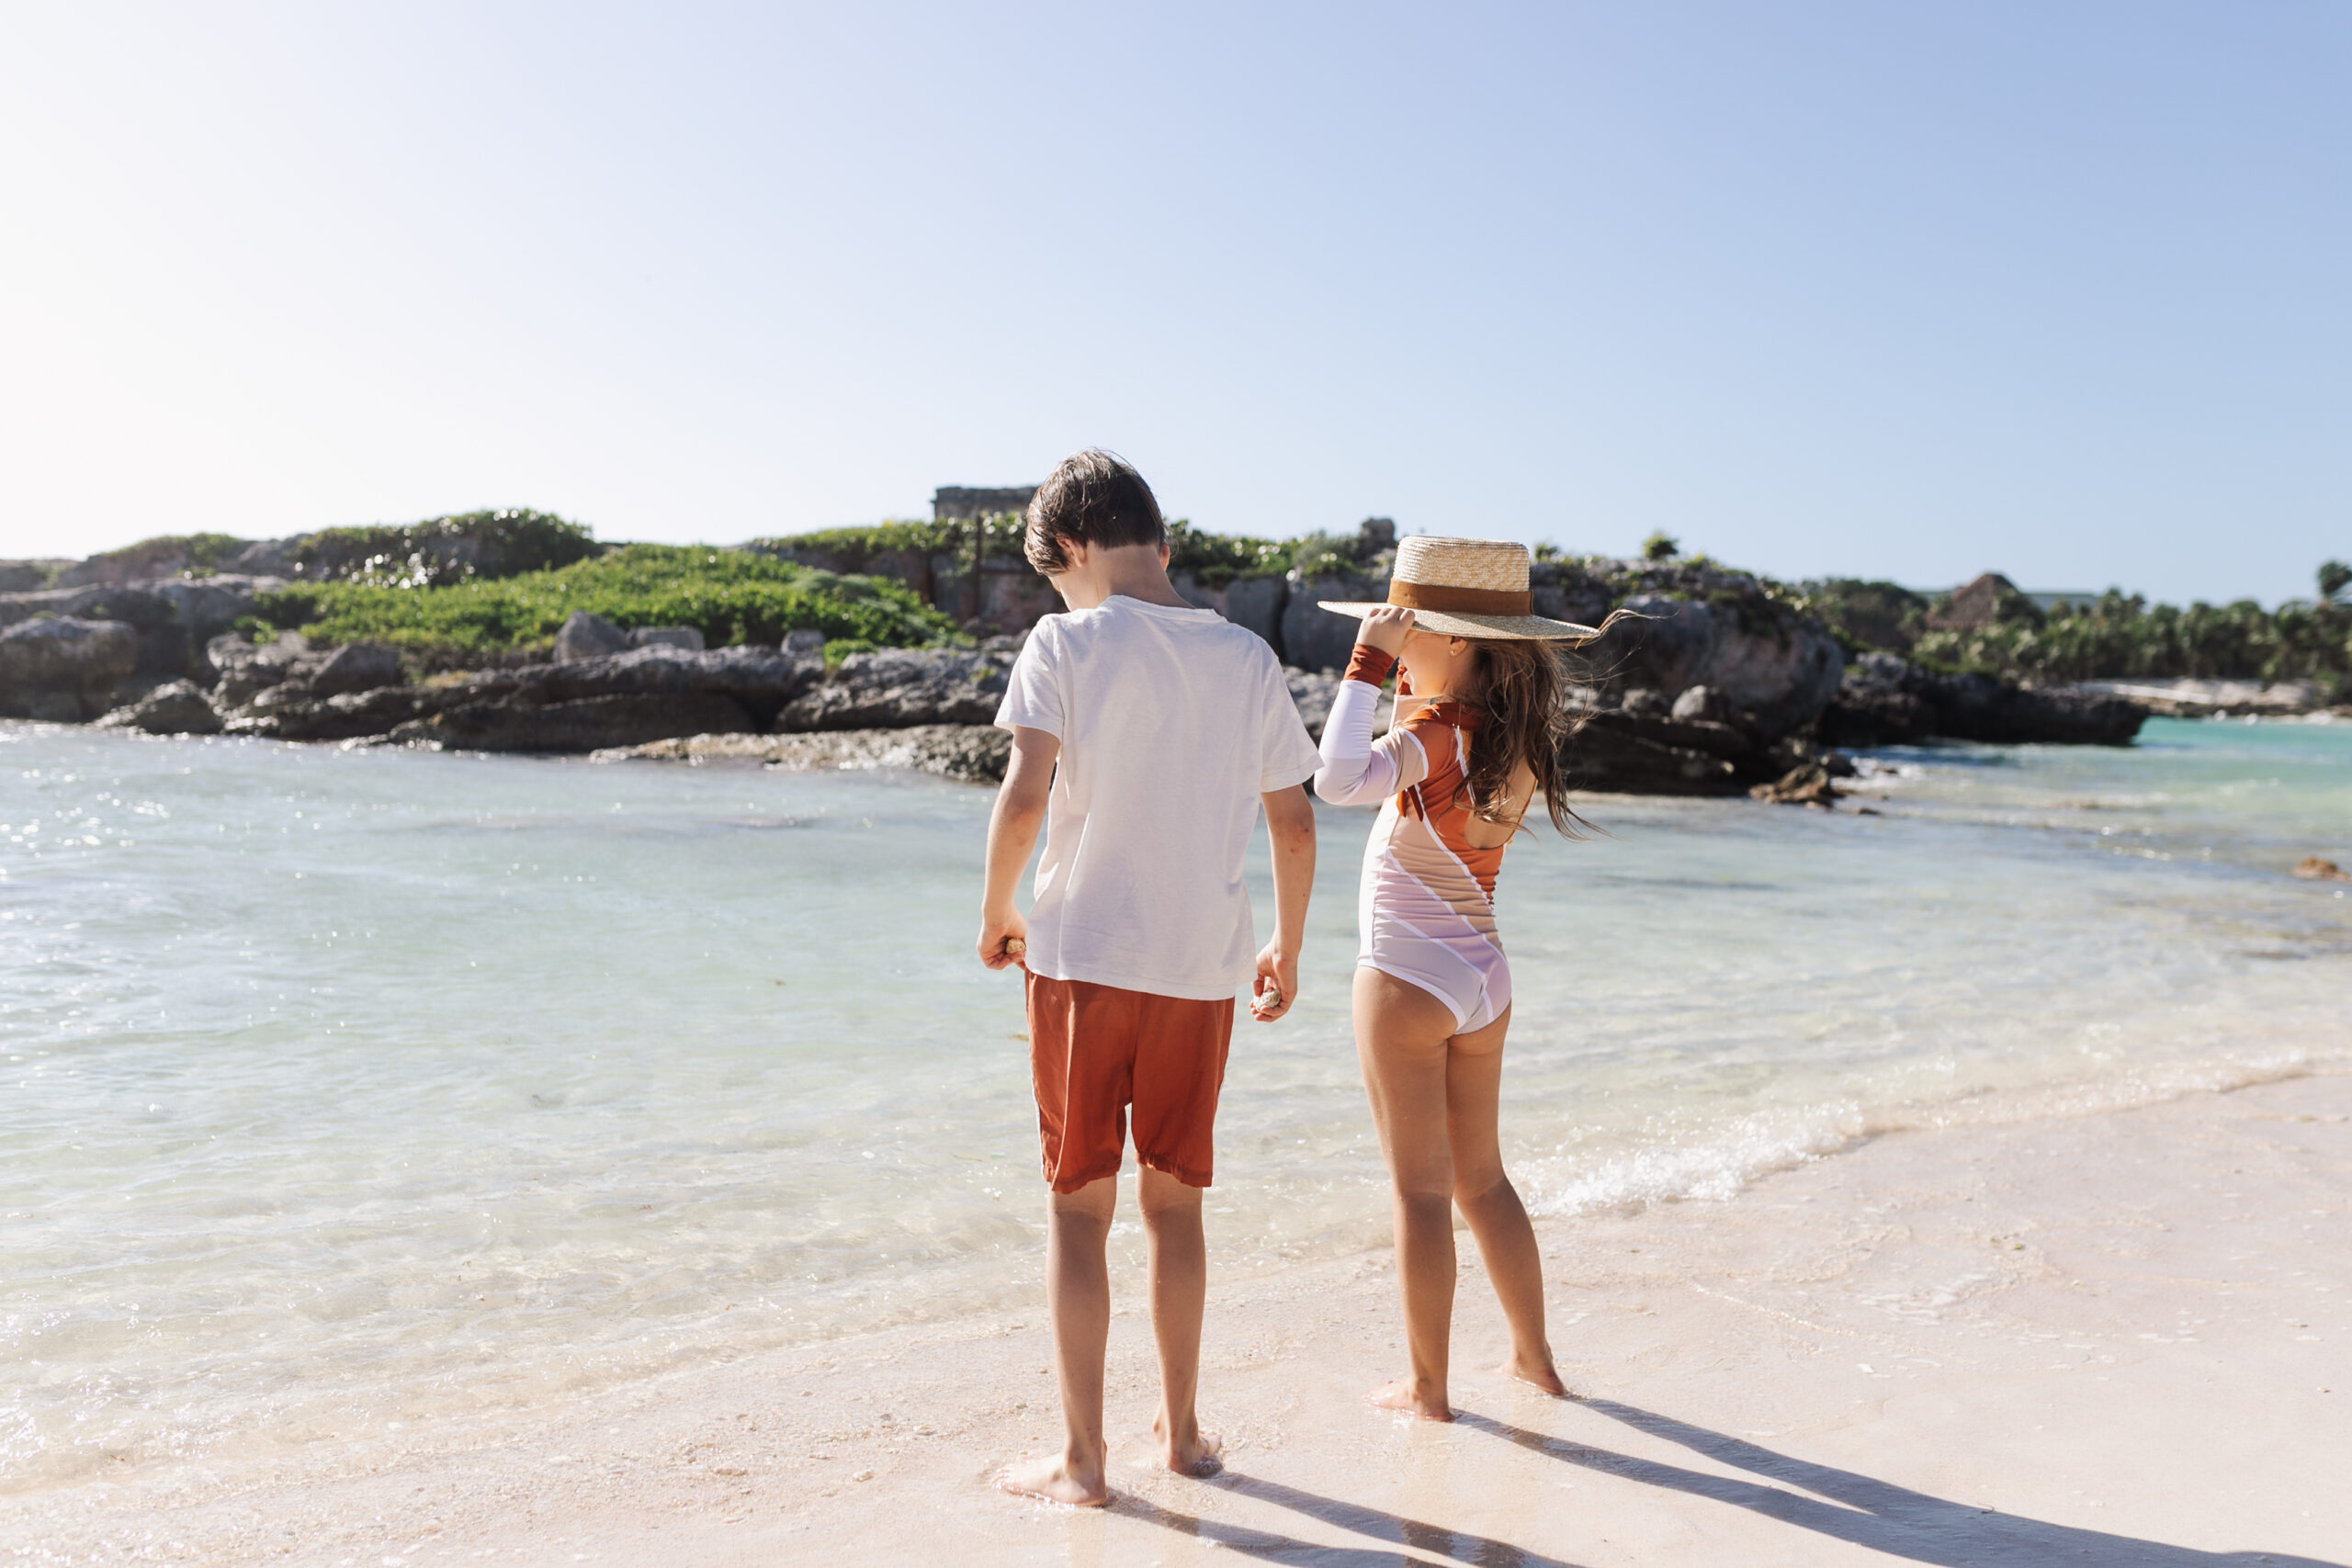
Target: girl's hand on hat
(1387, 628)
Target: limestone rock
(177, 707)
(899, 687)
(2210, 699)
(976, 753)
(249, 668)
(1885, 700)
(688, 638)
(1758, 660)
(587, 635)
(1313, 692)
(172, 617)
(583, 723)
(1696, 705)
(1805, 785)
(357, 667)
(65, 652)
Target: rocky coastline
(1707, 681)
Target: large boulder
(244, 669)
(1315, 638)
(1644, 751)
(585, 635)
(1773, 669)
(63, 668)
(899, 687)
(357, 667)
(177, 707)
(1876, 704)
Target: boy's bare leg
(1401, 1037)
(1488, 1202)
(1078, 1293)
(1180, 1285)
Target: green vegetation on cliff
(732, 596)
(441, 551)
(1214, 560)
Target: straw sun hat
(1466, 588)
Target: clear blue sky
(1882, 289)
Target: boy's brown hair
(1095, 498)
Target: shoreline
(2098, 1336)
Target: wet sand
(2121, 1338)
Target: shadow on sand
(1874, 1515)
(1266, 1546)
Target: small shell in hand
(1267, 1000)
(1014, 947)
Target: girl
(1473, 744)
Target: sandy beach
(2116, 1338)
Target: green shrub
(733, 596)
(440, 551)
(841, 648)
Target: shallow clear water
(345, 1091)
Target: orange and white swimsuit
(1427, 910)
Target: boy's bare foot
(1201, 1456)
(1402, 1395)
(1052, 1478)
(1536, 1374)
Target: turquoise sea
(348, 1093)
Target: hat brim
(1446, 622)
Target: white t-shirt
(1173, 723)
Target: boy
(1145, 735)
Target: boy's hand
(1387, 628)
(1276, 986)
(1003, 940)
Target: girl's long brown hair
(1525, 720)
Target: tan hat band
(1460, 601)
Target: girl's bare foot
(1201, 1456)
(1055, 1480)
(1403, 1396)
(1536, 1374)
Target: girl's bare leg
(1179, 1284)
(1077, 1292)
(1401, 1034)
(1506, 1239)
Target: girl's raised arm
(1357, 770)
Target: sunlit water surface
(346, 1092)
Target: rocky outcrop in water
(972, 752)
(1887, 700)
(899, 687)
(177, 707)
(2211, 699)
(620, 699)
(166, 623)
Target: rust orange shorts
(1095, 1050)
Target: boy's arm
(1012, 833)
(1290, 827)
